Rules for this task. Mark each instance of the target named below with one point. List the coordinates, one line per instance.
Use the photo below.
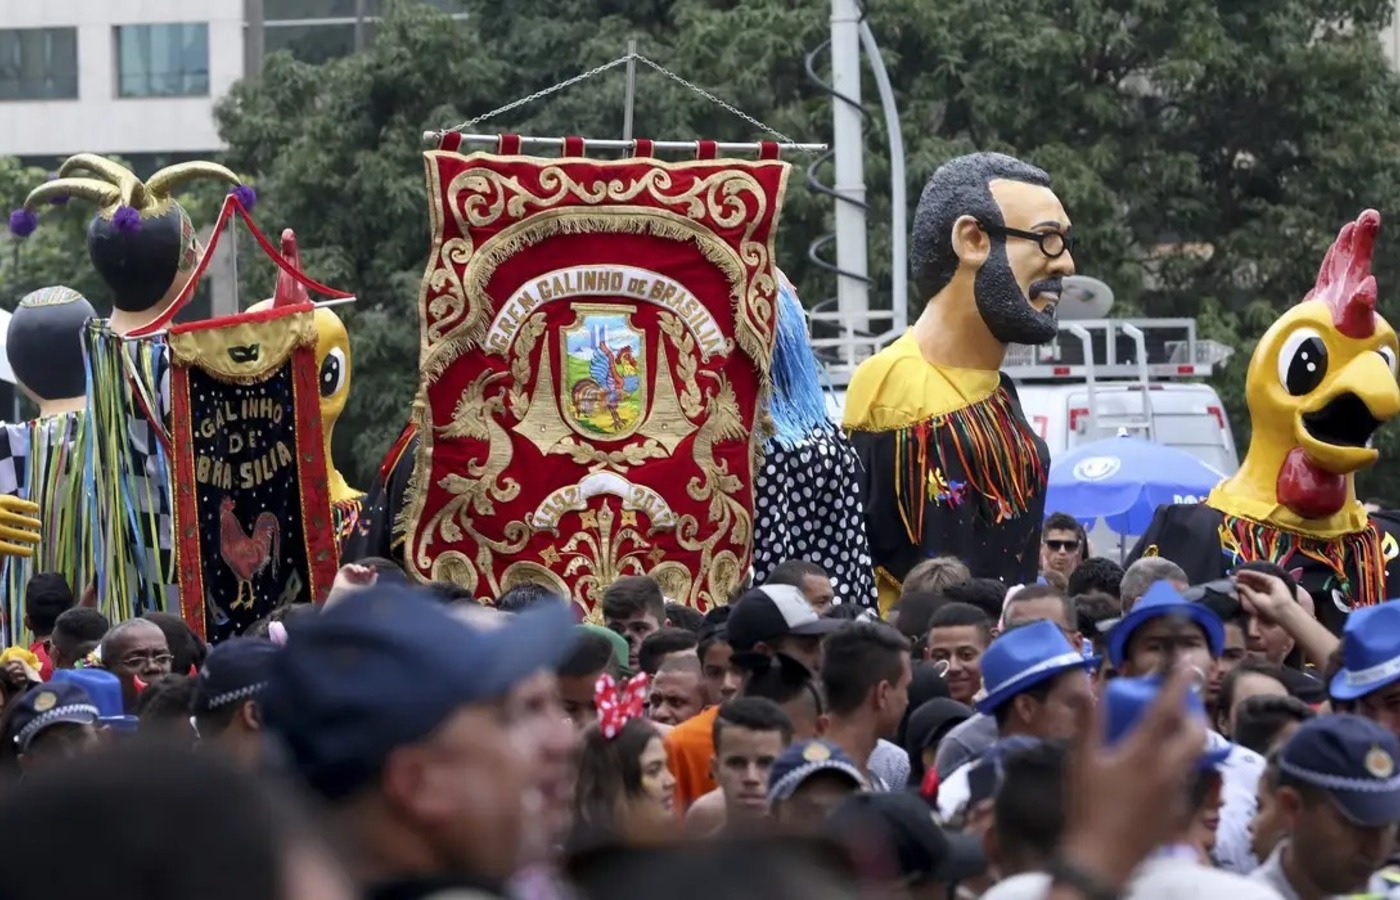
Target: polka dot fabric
(617, 708)
(807, 508)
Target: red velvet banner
(252, 513)
(596, 338)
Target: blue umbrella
(1123, 480)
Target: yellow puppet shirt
(950, 467)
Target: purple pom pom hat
(141, 239)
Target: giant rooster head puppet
(332, 359)
(141, 241)
(1320, 383)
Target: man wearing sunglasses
(950, 465)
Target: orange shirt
(689, 749)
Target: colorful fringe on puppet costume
(593, 369)
(806, 502)
(1320, 383)
(950, 465)
(43, 458)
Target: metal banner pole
(630, 97)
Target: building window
(285, 10)
(163, 60)
(313, 44)
(39, 64)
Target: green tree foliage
(1247, 130)
(55, 253)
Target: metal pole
(432, 138)
(361, 10)
(852, 290)
(254, 38)
(899, 205)
(630, 97)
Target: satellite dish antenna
(1083, 297)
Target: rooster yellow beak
(1335, 429)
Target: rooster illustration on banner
(247, 555)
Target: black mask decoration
(44, 343)
(1009, 315)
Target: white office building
(140, 78)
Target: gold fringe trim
(211, 349)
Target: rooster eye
(1302, 363)
(1388, 355)
(332, 372)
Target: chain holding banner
(596, 343)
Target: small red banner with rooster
(596, 344)
(252, 515)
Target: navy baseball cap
(803, 760)
(47, 705)
(235, 670)
(1353, 760)
(766, 614)
(384, 668)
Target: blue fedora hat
(1162, 600)
(1127, 699)
(1024, 657)
(1370, 651)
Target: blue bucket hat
(105, 689)
(1370, 651)
(1352, 759)
(1127, 699)
(1024, 657)
(1160, 601)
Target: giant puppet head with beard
(992, 243)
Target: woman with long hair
(625, 789)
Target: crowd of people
(1100, 733)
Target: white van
(1187, 416)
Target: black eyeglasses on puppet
(951, 467)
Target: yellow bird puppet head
(332, 358)
(1323, 380)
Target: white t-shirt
(1160, 879)
(1239, 782)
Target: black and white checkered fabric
(14, 460)
(806, 507)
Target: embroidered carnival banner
(596, 341)
(252, 514)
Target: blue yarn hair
(799, 406)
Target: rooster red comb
(1345, 282)
(289, 290)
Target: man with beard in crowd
(951, 467)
